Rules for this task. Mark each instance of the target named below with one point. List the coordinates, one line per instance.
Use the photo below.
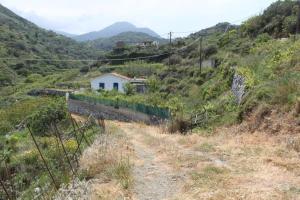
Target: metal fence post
(45, 163)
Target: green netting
(163, 113)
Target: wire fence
(163, 113)
(11, 186)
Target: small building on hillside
(148, 43)
(114, 81)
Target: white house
(114, 81)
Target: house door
(116, 86)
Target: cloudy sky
(81, 16)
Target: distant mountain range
(70, 35)
(114, 30)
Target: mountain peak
(123, 23)
(113, 30)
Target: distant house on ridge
(148, 43)
(114, 81)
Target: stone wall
(238, 87)
(48, 92)
(110, 113)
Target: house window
(116, 86)
(101, 86)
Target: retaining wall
(110, 113)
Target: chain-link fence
(163, 113)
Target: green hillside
(21, 41)
(262, 55)
(269, 65)
(278, 20)
(129, 38)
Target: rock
(238, 87)
(37, 190)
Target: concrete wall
(110, 113)
(109, 81)
(238, 87)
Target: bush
(210, 50)
(41, 119)
(152, 84)
(85, 69)
(33, 78)
(179, 125)
(129, 89)
(5, 127)
(174, 60)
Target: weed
(205, 147)
(121, 171)
(210, 177)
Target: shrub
(85, 69)
(31, 157)
(129, 89)
(41, 119)
(152, 84)
(5, 127)
(210, 50)
(179, 125)
(174, 60)
(33, 78)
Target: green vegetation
(23, 42)
(49, 114)
(24, 169)
(129, 39)
(254, 50)
(279, 20)
(121, 101)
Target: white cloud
(79, 16)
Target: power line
(170, 48)
(200, 53)
(105, 59)
(114, 59)
(84, 60)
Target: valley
(211, 115)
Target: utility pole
(200, 54)
(170, 48)
(298, 20)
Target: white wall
(109, 81)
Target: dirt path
(221, 166)
(212, 167)
(153, 179)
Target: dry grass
(106, 168)
(205, 147)
(233, 163)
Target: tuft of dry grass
(209, 177)
(294, 143)
(205, 147)
(105, 167)
(121, 171)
